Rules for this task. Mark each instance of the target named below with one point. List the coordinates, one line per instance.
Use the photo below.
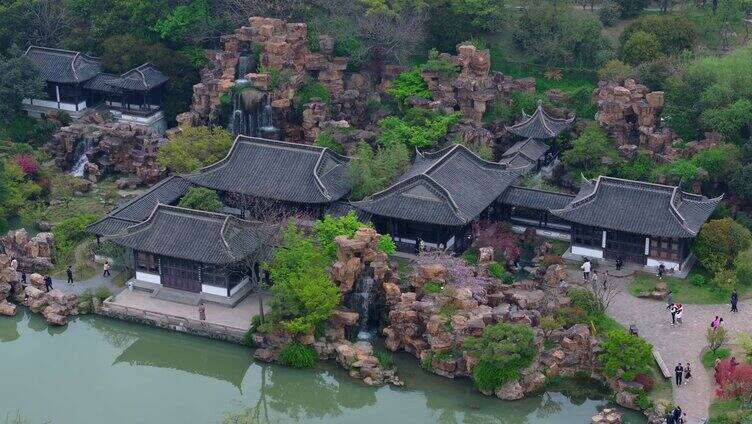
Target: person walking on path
(673, 310)
(677, 414)
(14, 263)
(714, 324)
(605, 279)
(586, 269)
(734, 301)
(595, 278)
(106, 268)
(48, 282)
(687, 374)
(661, 270)
(669, 300)
(679, 312)
(202, 311)
(69, 273)
(679, 372)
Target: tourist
(687, 374)
(202, 311)
(673, 310)
(418, 241)
(677, 413)
(717, 373)
(106, 268)
(679, 311)
(669, 300)
(684, 419)
(661, 271)
(14, 263)
(23, 278)
(734, 363)
(48, 282)
(716, 323)
(586, 269)
(619, 263)
(595, 279)
(605, 279)
(679, 372)
(563, 286)
(734, 300)
(69, 273)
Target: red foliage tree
(504, 242)
(735, 381)
(27, 164)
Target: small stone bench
(662, 365)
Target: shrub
(297, 355)
(616, 71)
(277, 78)
(716, 338)
(68, 233)
(698, 280)
(643, 401)
(102, 293)
(471, 257)
(372, 171)
(641, 168)
(502, 351)
(194, 147)
(256, 321)
(202, 199)
(409, 84)
(674, 32)
(386, 244)
(385, 358)
(609, 13)
(584, 299)
(325, 139)
(419, 128)
(570, 315)
(23, 129)
(724, 280)
(719, 242)
(440, 65)
(646, 380)
(587, 153)
(641, 47)
(27, 164)
(327, 229)
(310, 90)
(496, 270)
(744, 340)
(625, 354)
(432, 287)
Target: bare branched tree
(49, 22)
(605, 292)
(238, 11)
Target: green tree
(682, 170)
(201, 198)
(303, 294)
(329, 228)
(631, 8)
(741, 183)
(20, 189)
(718, 160)
(615, 70)
(185, 21)
(20, 80)
(503, 351)
(591, 153)
(641, 47)
(625, 355)
(68, 233)
(641, 168)
(719, 242)
(372, 171)
(674, 33)
(409, 84)
(194, 147)
(419, 128)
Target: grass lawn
(558, 247)
(683, 291)
(729, 411)
(708, 357)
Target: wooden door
(180, 274)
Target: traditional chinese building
(76, 82)
(438, 198)
(643, 223)
(540, 125)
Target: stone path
(93, 283)
(681, 343)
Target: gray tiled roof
(143, 78)
(535, 199)
(139, 208)
(449, 187)
(540, 125)
(199, 236)
(278, 170)
(638, 207)
(338, 209)
(63, 66)
(531, 148)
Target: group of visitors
(719, 373)
(677, 416)
(587, 269)
(677, 312)
(716, 323)
(683, 374)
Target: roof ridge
(542, 191)
(319, 183)
(412, 180)
(152, 188)
(636, 182)
(222, 231)
(452, 203)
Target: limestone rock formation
(33, 254)
(607, 416)
(55, 305)
(110, 147)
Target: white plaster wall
(148, 278)
(668, 264)
(587, 251)
(219, 291)
(239, 286)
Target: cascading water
(361, 302)
(82, 149)
(266, 126)
(252, 112)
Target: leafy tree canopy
(409, 84)
(625, 355)
(503, 351)
(194, 147)
(719, 242)
(19, 80)
(329, 228)
(372, 171)
(674, 33)
(641, 47)
(590, 153)
(201, 198)
(419, 128)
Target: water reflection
(9, 327)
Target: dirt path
(681, 343)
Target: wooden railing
(170, 319)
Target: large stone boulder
(607, 416)
(7, 308)
(511, 390)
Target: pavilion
(438, 198)
(259, 174)
(639, 222)
(75, 82)
(540, 125)
(216, 255)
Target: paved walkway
(93, 283)
(682, 343)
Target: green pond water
(98, 370)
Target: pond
(100, 370)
